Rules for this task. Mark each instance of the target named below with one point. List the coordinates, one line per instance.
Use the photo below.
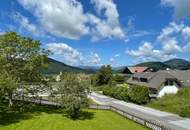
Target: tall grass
(176, 103)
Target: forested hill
(179, 64)
(55, 67)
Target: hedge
(120, 93)
(139, 94)
(136, 94)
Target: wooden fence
(147, 123)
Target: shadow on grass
(83, 115)
(25, 111)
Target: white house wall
(168, 90)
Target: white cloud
(70, 55)
(186, 48)
(173, 39)
(66, 18)
(73, 56)
(93, 59)
(132, 32)
(24, 23)
(117, 55)
(108, 27)
(113, 59)
(181, 7)
(146, 52)
(168, 38)
(171, 45)
(186, 33)
(2, 33)
(168, 31)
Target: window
(135, 78)
(143, 80)
(169, 83)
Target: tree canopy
(103, 76)
(73, 94)
(21, 61)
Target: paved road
(168, 119)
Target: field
(45, 119)
(176, 103)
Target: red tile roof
(137, 69)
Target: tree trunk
(10, 101)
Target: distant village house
(136, 69)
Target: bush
(120, 93)
(184, 92)
(119, 78)
(176, 103)
(139, 94)
(136, 94)
(103, 76)
(184, 110)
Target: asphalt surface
(168, 119)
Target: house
(161, 82)
(135, 69)
(58, 77)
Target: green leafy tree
(21, 61)
(119, 78)
(139, 94)
(73, 94)
(104, 76)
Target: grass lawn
(176, 103)
(44, 119)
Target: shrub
(184, 92)
(136, 94)
(119, 78)
(120, 93)
(176, 103)
(184, 110)
(139, 94)
(103, 76)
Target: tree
(139, 94)
(119, 78)
(21, 62)
(73, 94)
(104, 75)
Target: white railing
(147, 123)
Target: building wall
(168, 90)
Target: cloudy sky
(96, 32)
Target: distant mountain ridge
(179, 64)
(55, 67)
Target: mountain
(55, 67)
(155, 65)
(180, 64)
(90, 68)
(119, 69)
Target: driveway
(168, 119)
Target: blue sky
(96, 32)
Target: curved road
(168, 119)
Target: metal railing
(154, 125)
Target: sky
(97, 32)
